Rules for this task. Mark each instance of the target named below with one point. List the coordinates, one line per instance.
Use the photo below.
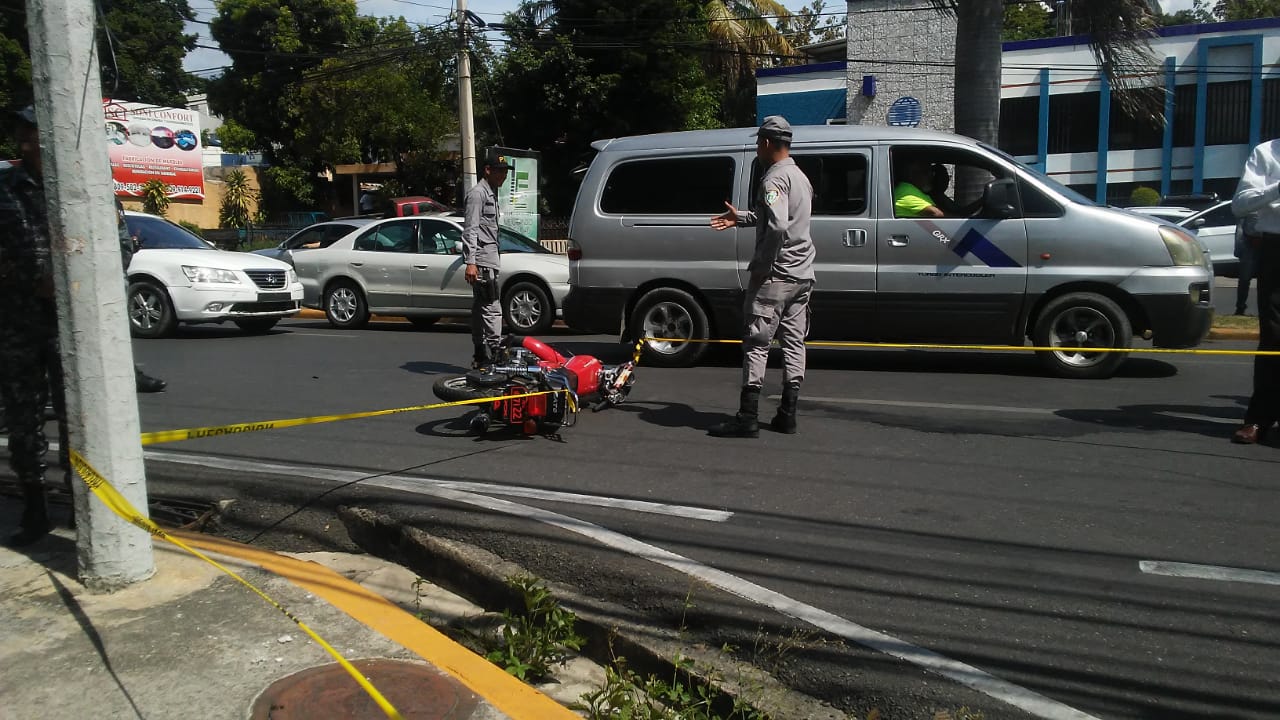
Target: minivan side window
(950, 180)
(669, 186)
(839, 182)
(1036, 204)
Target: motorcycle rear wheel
(453, 388)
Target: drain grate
(165, 511)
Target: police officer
(32, 367)
(777, 299)
(480, 253)
(142, 381)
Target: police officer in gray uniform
(777, 299)
(480, 253)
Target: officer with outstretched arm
(777, 298)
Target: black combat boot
(147, 384)
(745, 424)
(784, 421)
(35, 515)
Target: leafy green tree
(1246, 9)
(811, 24)
(238, 199)
(1027, 21)
(1200, 12)
(142, 55)
(155, 197)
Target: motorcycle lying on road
(535, 388)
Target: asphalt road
(952, 510)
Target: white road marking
(1208, 572)
(980, 680)
(929, 405)
(320, 334)
(1204, 418)
(408, 482)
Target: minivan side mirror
(1000, 198)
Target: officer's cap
(775, 127)
(493, 159)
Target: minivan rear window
(669, 186)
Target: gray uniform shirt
(784, 248)
(480, 227)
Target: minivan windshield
(1054, 185)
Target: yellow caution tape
(995, 348)
(121, 506)
(166, 436)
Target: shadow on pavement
(672, 415)
(427, 367)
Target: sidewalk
(193, 642)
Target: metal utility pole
(102, 404)
(466, 117)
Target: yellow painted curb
(1232, 334)
(509, 695)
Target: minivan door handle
(898, 240)
(855, 238)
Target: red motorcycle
(535, 388)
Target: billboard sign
(146, 142)
(518, 196)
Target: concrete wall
(895, 40)
(203, 213)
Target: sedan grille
(267, 279)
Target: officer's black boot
(35, 515)
(745, 424)
(784, 421)
(147, 384)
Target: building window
(1073, 122)
(1271, 108)
(1184, 115)
(1020, 125)
(1131, 133)
(1227, 113)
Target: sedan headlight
(1183, 247)
(198, 274)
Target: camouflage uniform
(28, 340)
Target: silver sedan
(411, 267)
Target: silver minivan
(1019, 256)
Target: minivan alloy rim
(145, 310)
(667, 320)
(526, 310)
(1081, 327)
(342, 304)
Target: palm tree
(741, 28)
(1118, 31)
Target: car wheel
(256, 325)
(527, 309)
(422, 323)
(345, 306)
(672, 316)
(151, 312)
(454, 388)
(1076, 322)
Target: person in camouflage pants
(32, 366)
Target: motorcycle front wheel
(456, 387)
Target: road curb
(480, 576)
(1232, 334)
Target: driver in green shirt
(911, 194)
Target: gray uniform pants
(777, 307)
(486, 311)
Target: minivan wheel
(527, 309)
(1076, 322)
(345, 306)
(671, 315)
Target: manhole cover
(327, 692)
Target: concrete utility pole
(466, 118)
(102, 404)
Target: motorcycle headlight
(1183, 247)
(198, 274)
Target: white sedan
(175, 276)
(411, 267)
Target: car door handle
(898, 240)
(356, 264)
(855, 238)
(421, 267)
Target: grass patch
(1236, 322)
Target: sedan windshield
(155, 233)
(510, 241)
